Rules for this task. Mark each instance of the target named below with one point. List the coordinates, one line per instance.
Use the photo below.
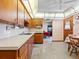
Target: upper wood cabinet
(35, 22)
(9, 5)
(9, 11)
(20, 14)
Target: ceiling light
(70, 1)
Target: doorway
(47, 28)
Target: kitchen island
(16, 47)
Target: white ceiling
(52, 6)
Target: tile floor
(52, 50)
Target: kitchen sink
(25, 33)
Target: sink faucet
(8, 27)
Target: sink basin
(25, 33)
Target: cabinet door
(20, 14)
(8, 10)
(23, 56)
(23, 51)
(7, 54)
(30, 46)
(38, 38)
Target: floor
(51, 50)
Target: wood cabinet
(20, 14)
(23, 53)
(11, 13)
(38, 38)
(8, 11)
(35, 22)
(30, 43)
(77, 56)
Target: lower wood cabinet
(8, 54)
(23, 53)
(38, 38)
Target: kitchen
(31, 29)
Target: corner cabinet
(24, 52)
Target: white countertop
(11, 40)
(14, 43)
(9, 33)
(36, 30)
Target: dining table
(75, 38)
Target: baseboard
(57, 40)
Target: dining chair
(73, 46)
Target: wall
(76, 26)
(57, 30)
(45, 27)
(2, 27)
(10, 32)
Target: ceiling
(53, 8)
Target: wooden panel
(35, 22)
(38, 38)
(7, 54)
(77, 56)
(23, 56)
(20, 14)
(22, 50)
(20, 6)
(8, 4)
(8, 10)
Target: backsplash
(8, 33)
(2, 27)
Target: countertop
(36, 30)
(14, 42)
